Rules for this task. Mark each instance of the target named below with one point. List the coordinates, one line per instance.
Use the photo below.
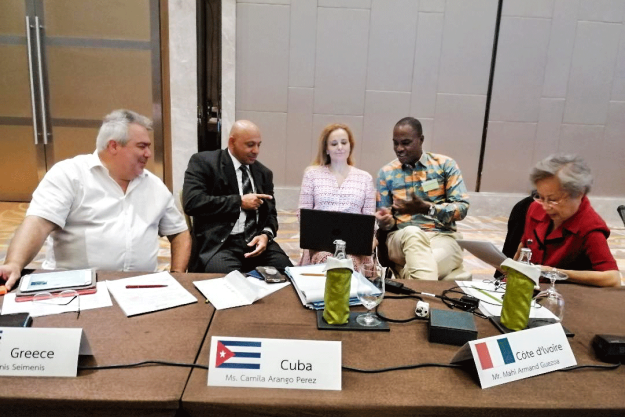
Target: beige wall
(294, 65)
(559, 81)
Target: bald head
(244, 141)
(243, 127)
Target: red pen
(130, 287)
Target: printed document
(491, 299)
(135, 301)
(235, 290)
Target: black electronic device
(319, 229)
(270, 274)
(397, 287)
(451, 327)
(609, 348)
(16, 320)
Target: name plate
(518, 355)
(274, 363)
(40, 351)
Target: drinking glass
(370, 292)
(551, 299)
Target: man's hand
(260, 241)
(414, 205)
(10, 273)
(385, 218)
(253, 201)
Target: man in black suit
(234, 213)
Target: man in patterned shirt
(420, 197)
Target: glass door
(100, 55)
(21, 145)
(65, 65)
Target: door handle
(32, 81)
(42, 95)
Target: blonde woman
(332, 183)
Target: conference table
(173, 335)
(425, 391)
(183, 335)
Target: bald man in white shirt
(102, 210)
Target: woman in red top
(562, 229)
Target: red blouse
(579, 244)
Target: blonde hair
(322, 157)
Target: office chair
(621, 212)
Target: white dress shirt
(100, 226)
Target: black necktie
(250, 215)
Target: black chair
(516, 226)
(621, 212)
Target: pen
(132, 287)
(3, 290)
(489, 295)
(311, 274)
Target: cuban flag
(494, 353)
(238, 354)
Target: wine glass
(370, 291)
(551, 299)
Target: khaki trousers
(424, 255)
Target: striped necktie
(250, 215)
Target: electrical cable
(345, 368)
(602, 367)
(398, 297)
(402, 367)
(144, 363)
(465, 302)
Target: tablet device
(319, 229)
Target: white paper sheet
(235, 290)
(37, 309)
(491, 300)
(135, 301)
(485, 251)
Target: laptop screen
(319, 229)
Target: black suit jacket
(211, 196)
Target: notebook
(319, 229)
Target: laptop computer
(319, 229)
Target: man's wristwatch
(269, 234)
(432, 211)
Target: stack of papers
(166, 293)
(310, 283)
(491, 299)
(235, 290)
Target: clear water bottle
(526, 255)
(339, 253)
